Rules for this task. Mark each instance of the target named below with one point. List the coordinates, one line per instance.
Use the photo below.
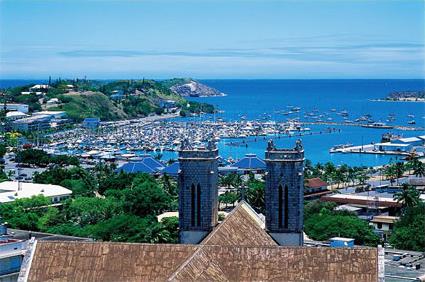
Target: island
(404, 96)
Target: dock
(398, 127)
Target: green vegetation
(89, 104)
(125, 209)
(41, 158)
(409, 197)
(192, 107)
(322, 223)
(89, 98)
(343, 174)
(408, 233)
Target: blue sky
(212, 39)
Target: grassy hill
(108, 100)
(89, 104)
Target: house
(13, 190)
(395, 147)
(314, 185)
(383, 225)
(52, 114)
(39, 87)
(412, 141)
(91, 123)
(32, 123)
(15, 115)
(17, 107)
(11, 255)
(172, 169)
(250, 163)
(144, 164)
(53, 101)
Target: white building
(39, 87)
(53, 114)
(12, 190)
(383, 225)
(17, 107)
(14, 115)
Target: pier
(398, 127)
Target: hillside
(187, 87)
(108, 100)
(89, 104)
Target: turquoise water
(264, 99)
(255, 98)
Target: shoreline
(385, 100)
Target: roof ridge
(218, 227)
(186, 262)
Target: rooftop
(236, 250)
(9, 190)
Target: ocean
(255, 99)
(269, 99)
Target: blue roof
(91, 119)
(144, 164)
(250, 161)
(172, 169)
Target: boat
(411, 122)
(388, 137)
(379, 125)
(338, 148)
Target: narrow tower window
(286, 206)
(280, 207)
(198, 194)
(192, 205)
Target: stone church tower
(197, 182)
(284, 194)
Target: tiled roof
(236, 250)
(242, 227)
(315, 183)
(236, 263)
(172, 169)
(144, 164)
(83, 261)
(250, 161)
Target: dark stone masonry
(284, 194)
(198, 182)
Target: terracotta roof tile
(315, 183)
(242, 227)
(85, 261)
(233, 263)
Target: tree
(2, 150)
(90, 210)
(145, 197)
(408, 233)
(390, 173)
(50, 218)
(321, 222)
(254, 195)
(130, 228)
(24, 213)
(399, 170)
(171, 225)
(418, 167)
(408, 196)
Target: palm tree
(408, 196)
(390, 173)
(418, 168)
(399, 170)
